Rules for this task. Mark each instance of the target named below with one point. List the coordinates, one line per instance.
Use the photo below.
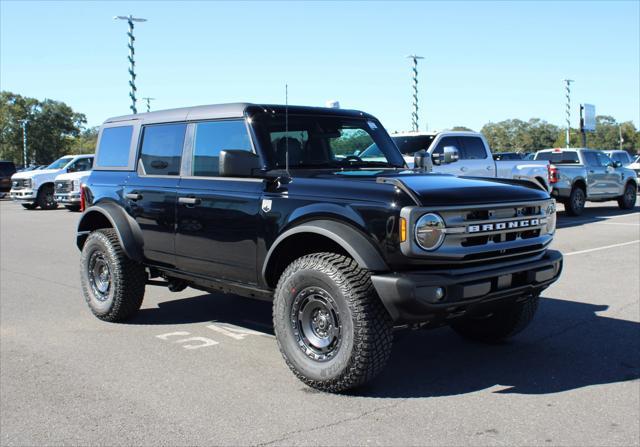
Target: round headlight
(430, 231)
(551, 217)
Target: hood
(73, 175)
(32, 174)
(429, 189)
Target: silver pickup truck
(579, 175)
(467, 154)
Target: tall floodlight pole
(148, 101)
(132, 65)
(567, 87)
(24, 141)
(414, 78)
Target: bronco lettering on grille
(503, 225)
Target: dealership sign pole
(568, 96)
(132, 65)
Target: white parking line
(600, 248)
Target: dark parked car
(7, 169)
(272, 202)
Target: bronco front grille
(484, 233)
(64, 186)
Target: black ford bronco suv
(274, 202)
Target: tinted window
(590, 158)
(162, 149)
(621, 157)
(603, 160)
(115, 143)
(212, 138)
(564, 157)
(473, 148)
(81, 164)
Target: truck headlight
(76, 185)
(551, 217)
(429, 231)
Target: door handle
(592, 171)
(489, 168)
(463, 169)
(189, 201)
(133, 196)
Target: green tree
(606, 136)
(51, 130)
(520, 136)
(461, 128)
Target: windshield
(317, 141)
(59, 163)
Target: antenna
(286, 129)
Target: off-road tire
(628, 199)
(574, 206)
(45, 198)
(501, 325)
(127, 278)
(366, 328)
(73, 208)
(29, 206)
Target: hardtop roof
(231, 110)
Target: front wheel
(45, 199)
(577, 199)
(501, 324)
(628, 200)
(331, 327)
(112, 284)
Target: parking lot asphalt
(196, 368)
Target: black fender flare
(127, 229)
(361, 249)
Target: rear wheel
(577, 199)
(628, 200)
(29, 206)
(331, 327)
(46, 200)
(112, 284)
(500, 325)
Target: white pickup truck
(36, 188)
(467, 154)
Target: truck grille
(64, 186)
(487, 233)
(21, 183)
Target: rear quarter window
(114, 147)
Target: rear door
(612, 176)
(217, 217)
(150, 193)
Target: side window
(622, 158)
(473, 148)
(213, 137)
(590, 158)
(603, 160)
(447, 141)
(161, 150)
(81, 164)
(114, 146)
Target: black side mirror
(617, 164)
(238, 163)
(422, 160)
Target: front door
(150, 194)
(218, 218)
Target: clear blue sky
(484, 61)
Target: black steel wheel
(577, 199)
(331, 327)
(46, 199)
(112, 284)
(628, 200)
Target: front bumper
(72, 198)
(23, 195)
(412, 297)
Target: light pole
(148, 101)
(132, 65)
(414, 114)
(567, 88)
(24, 141)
